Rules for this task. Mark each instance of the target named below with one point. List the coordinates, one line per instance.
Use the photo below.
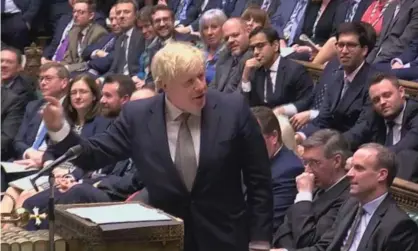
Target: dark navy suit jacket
(342, 114)
(285, 167)
(342, 12)
(49, 51)
(102, 65)
(29, 8)
(216, 215)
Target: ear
(92, 14)
(276, 46)
(365, 50)
(382, 175)
(338, 160)
(402, 91)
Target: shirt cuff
(246, 86)
(61, 134)
(303, 135)
(396, 60)
(260, 245)
(303, 196)
(313, 114)
(93, 54)
(408, 65)
(290, 109)
(26, 152)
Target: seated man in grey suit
(400, 27)
(231, 62)
(370, 219)
(322, 190)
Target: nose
(200, 84)
(350, 173)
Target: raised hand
(53, 114)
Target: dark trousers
(14, 31)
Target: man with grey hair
(371, 219)
(322, 189)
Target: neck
(340, 173)
(81, 114)
(350, 69)
(268, 66)
(276, 150)
(366, 198)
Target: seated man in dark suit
(274, 81)
(55, 51)
(231, 62)
(285, 164)
(99, 56)
(322, 190)
(130, 43)
(370, 219)
(12, 110)
(16, 21)
(12, 77)
(347, 97)
(405, 66)
(391, 121)
(162, 18)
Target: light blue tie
(40, 137)
(352, 11)
(291, 26)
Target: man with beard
(231, 62)
(162, 18)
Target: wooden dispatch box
(84, 235)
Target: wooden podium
(84, 235)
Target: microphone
(308, 41)
(71, 154)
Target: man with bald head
(232, 60)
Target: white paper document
(118, 213)
(25, 184)
(284, 52)
(10, 167)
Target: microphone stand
(51, 212)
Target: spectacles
(311, 163)
(47, 78)
(350, 46)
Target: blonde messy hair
(173, 60)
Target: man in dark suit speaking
(192, 153)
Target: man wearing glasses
(344, 84)
(322, 189)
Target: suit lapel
(3, 99)
(354, 89)
(74, 43)
(387, 20)
(339, 83)
(208, 130)
(402, 12)
(343, 227)
(158, 133)
(374, 222)
(280, 78)
(323, 201)
(227, 66)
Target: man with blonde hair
(192, 153)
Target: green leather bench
(406, 194)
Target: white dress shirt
(369, 209)
(173, 127)
(10, 7)
(397, 128)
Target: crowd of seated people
(335, 145)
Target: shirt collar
(398, 120)
(128, 33)
(172, 111)
(371, 207)
(275, 65)
(350, 77)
